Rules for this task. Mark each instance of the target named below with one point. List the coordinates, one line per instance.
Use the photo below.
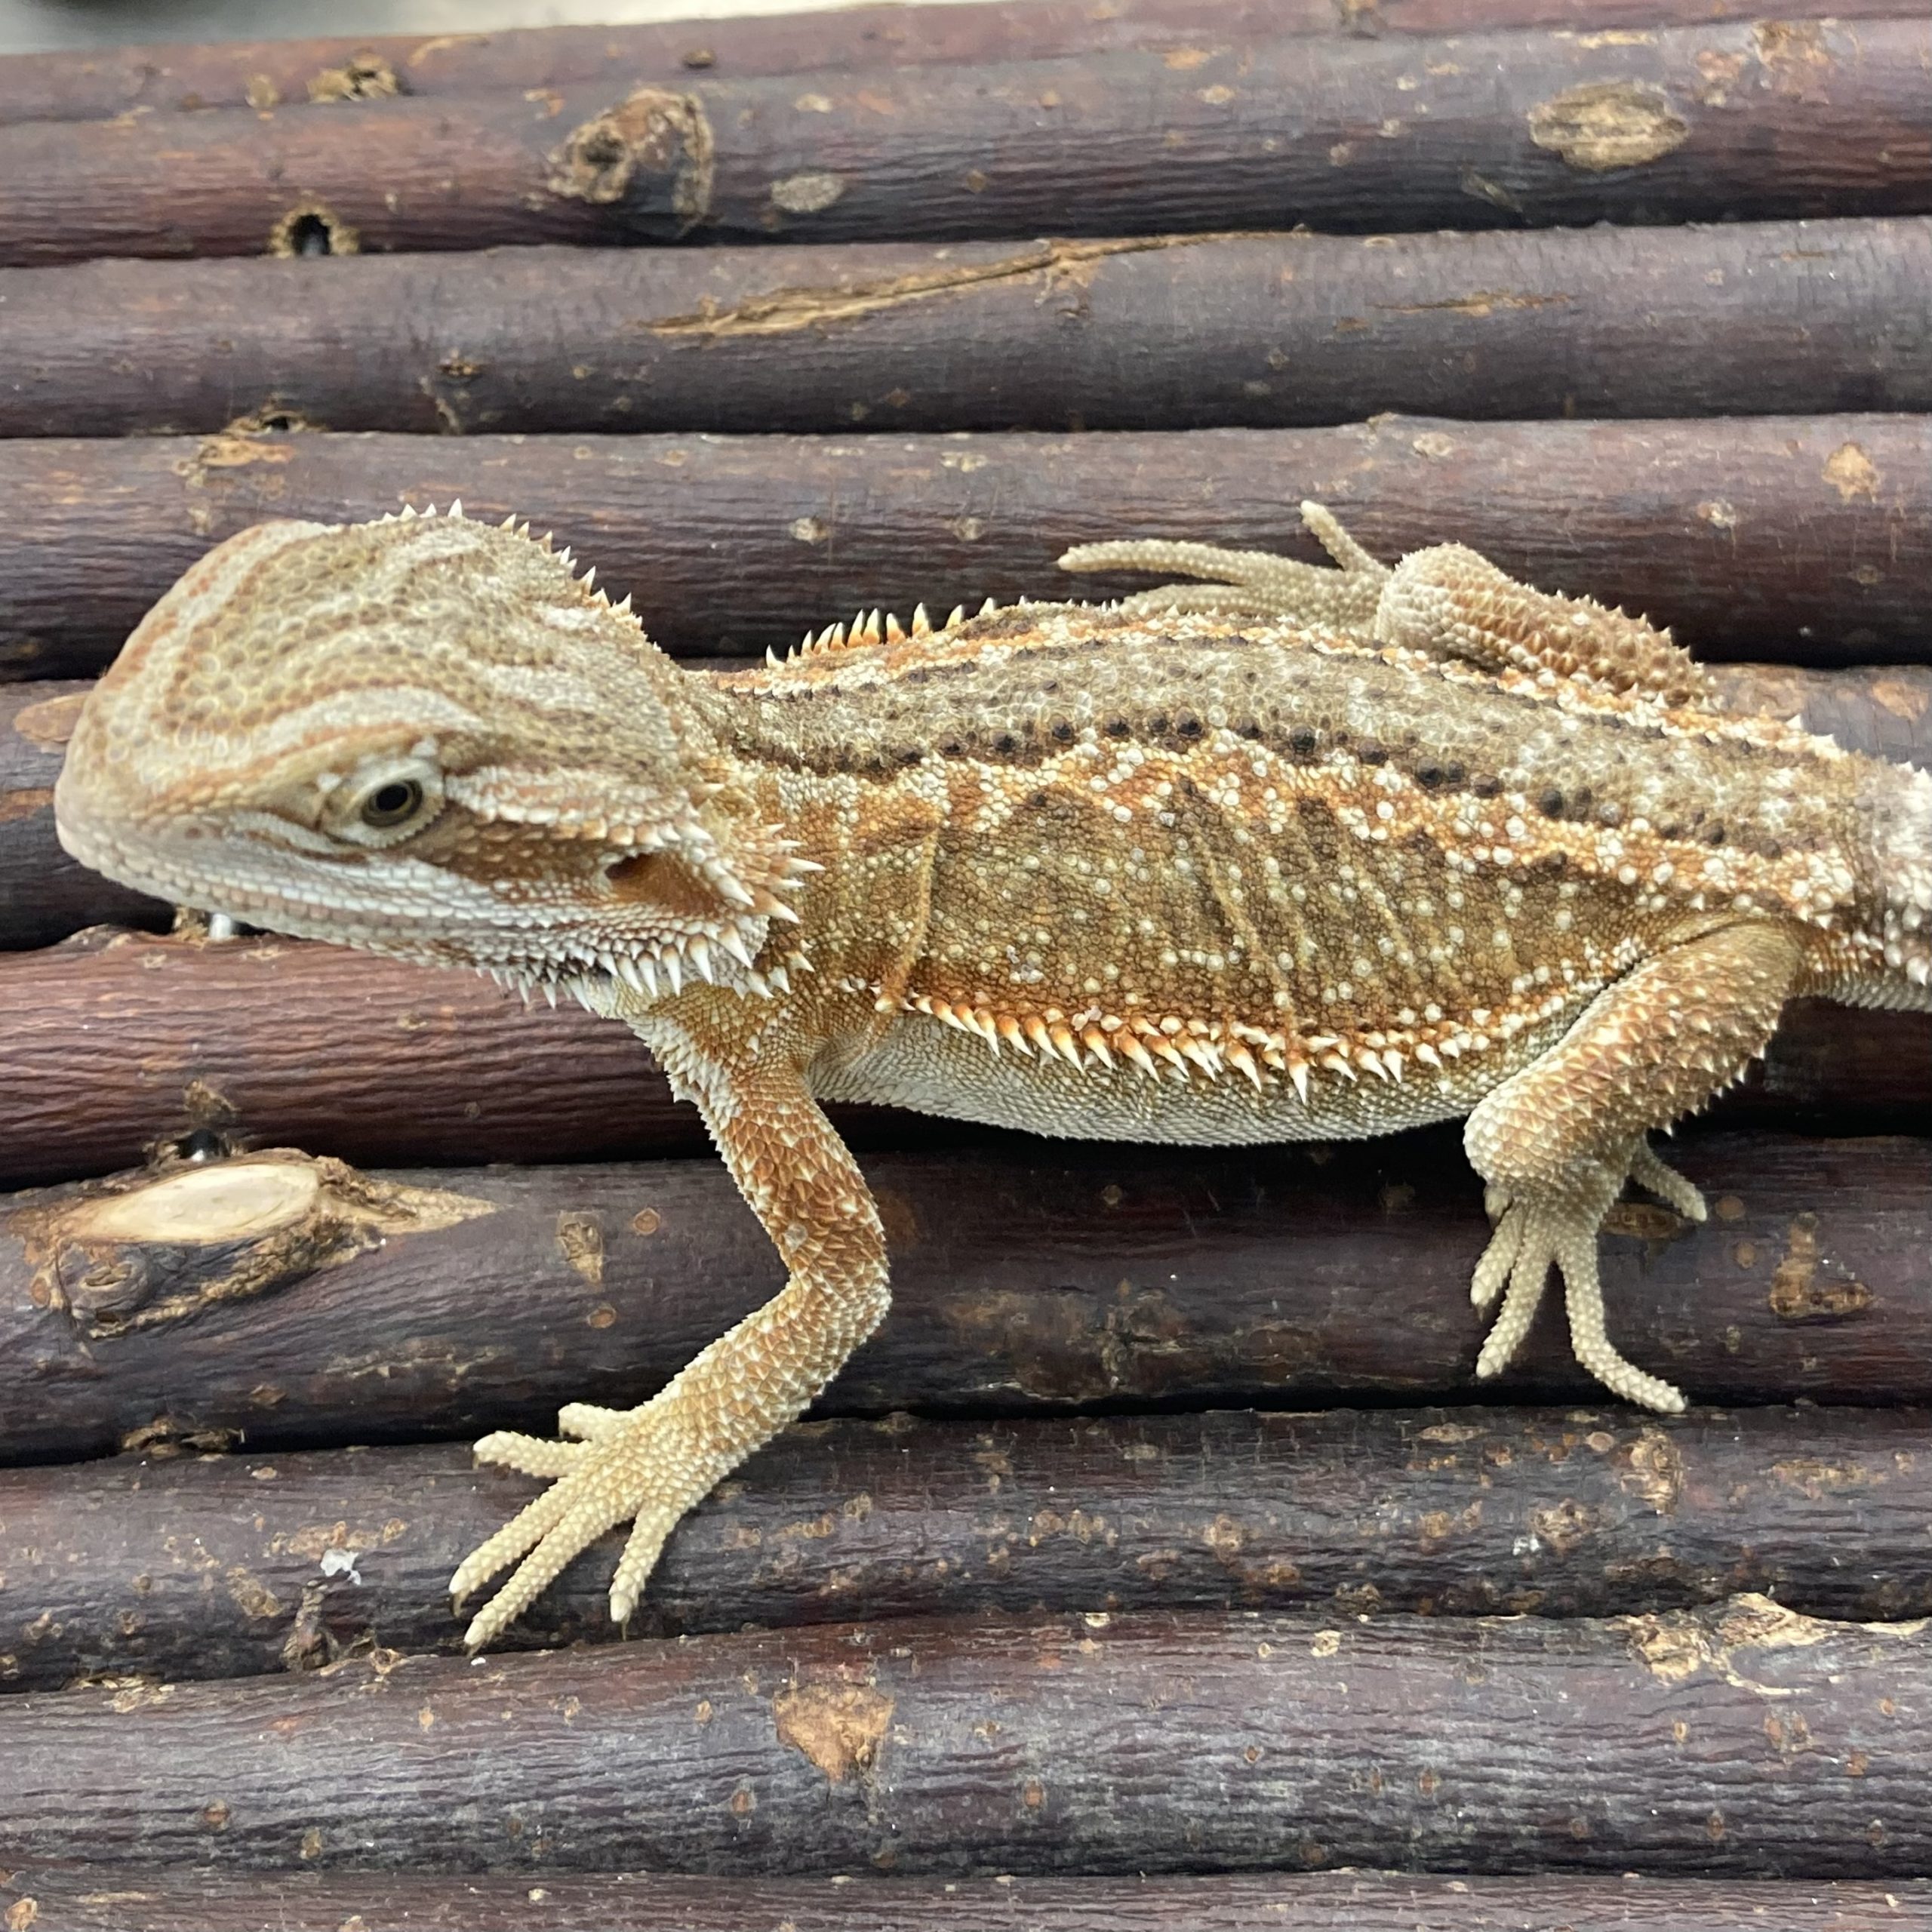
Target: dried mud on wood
(1025, 1277)
(1801, 538)
(1260, 331)
(212, 1566)
(1542, 127)
(45, 896)
(1740, 1741)
(107, 1899)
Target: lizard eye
(386, 801)
(390, 804)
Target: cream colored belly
(934, 1069)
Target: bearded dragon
(1300, 854)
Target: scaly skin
(1299, 853)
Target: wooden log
(97, 82)
(46, 896)
(112, 1043)
(1741, 1742)
(1542, 126)
(170, 1899)
(1263, 331)
(234, 1566)
(282, 1302)
(1791, 537)
(116, 1043)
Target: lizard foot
(627, 1466)
(1532, 1236)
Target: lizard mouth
(284, 886)
(433, 916)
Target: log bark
(236, 1566)
(1739, 1742)
(116, 1043)
(1797, 537)
(296, 1302)
(1722, 121)
(1260, 331)
(164, 1899)
(101, 81)
(46, 896)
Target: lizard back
(1275, 883)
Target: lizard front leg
(1556, 1142)
(651, 1464)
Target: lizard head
(428, 737)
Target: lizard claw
(627, 1469)
(528, 1455)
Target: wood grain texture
(1026, 1278)
(162, 1899)
(215, 1566)
(45, 896)
(101, 81)
(1797, 538)
(1176, 333)
(1540, 126)
(1148, 1743)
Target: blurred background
(28, 26)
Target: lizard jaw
(576, 935)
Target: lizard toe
(1577, 1256)
(1657, 1178)
(528, 1455)
(522, 1533)
(1499, 1258)
(587, 1422)
(1523, 1255)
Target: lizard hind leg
(1251, 583)
(1449, 601)
(1556, 1141)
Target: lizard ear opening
(663, 880)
